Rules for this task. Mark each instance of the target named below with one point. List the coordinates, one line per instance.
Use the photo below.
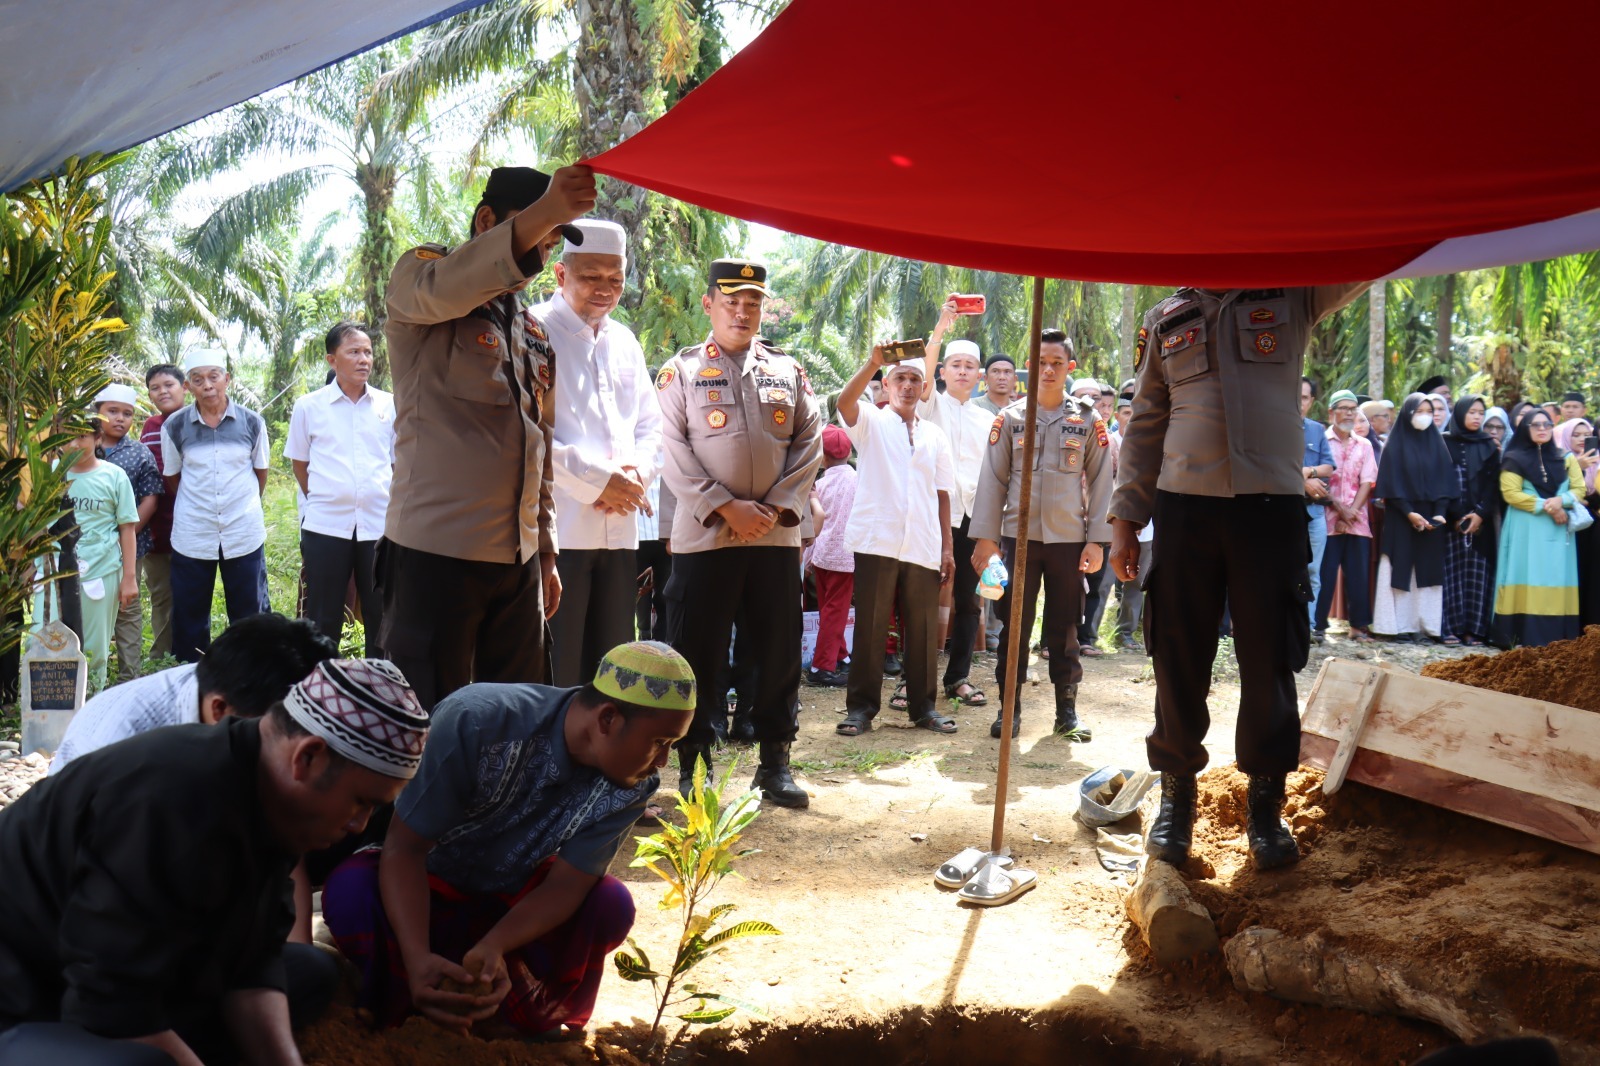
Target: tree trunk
(1377, 337)
(1129, 328)
(1447, 311)
(613, 79)
(375, 255)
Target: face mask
(1422, 420)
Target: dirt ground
(876, 961)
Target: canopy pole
(1017, 643)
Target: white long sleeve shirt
(967, 426)
(605, 417)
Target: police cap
(736, 275)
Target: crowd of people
(566, 573)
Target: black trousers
(598, 587)
(1054, 566)
(1094, 601)
(1252, 553)
(194, 582)
(449, 622)
(651, 610)
(703, 598)
(330, 564)
(966, 608)
(311, 976)
(881, 585)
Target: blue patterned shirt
(498, 792)
(135, 459)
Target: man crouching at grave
(147, 884)
(490, 893)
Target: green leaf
(747, 1007)
(632, 969)
(742, 930)
(719, 910)
(708, 1015)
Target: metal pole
(1018, 644)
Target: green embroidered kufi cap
(647, 673)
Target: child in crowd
(832, 564)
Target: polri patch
(1100, 433)
(488, 340)
(710, 372)
(664, 378)
(717, 419)
(780, 416)
(1266, 342)
(994, 431)
(713, 396)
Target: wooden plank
(1530, 747)
(1350, 736)
(1564, 823)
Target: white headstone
(55, 678)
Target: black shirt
(141, 884)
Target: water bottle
(994, 579)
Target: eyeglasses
(1541, 425)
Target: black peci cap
(517, 188)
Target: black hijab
(1416, 466)
(1473, 447)
(1541, 464)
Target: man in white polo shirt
(341, 444)
(214, 454)
(966, 423)
(899, 529)
(605, 448)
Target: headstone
(55, 678)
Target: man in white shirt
(341, 444)
(966, 423)
(899, 530)
(606, 447)
(214, 455)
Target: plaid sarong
(1467, 588)
(554, 980)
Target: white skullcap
(202, 357)
(955, 348)
(1087, 383)
(117, 392)
(910, 366)
(600, 238)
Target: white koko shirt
(605, 417)
(967, 426)
(348, 448)
(898, 479)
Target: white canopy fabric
(101, 75)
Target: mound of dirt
(1567, 671)
(1490, 917)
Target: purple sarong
(554, 980)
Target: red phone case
(971, 305)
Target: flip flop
(963, 865)
(991, 885)
(935, 723)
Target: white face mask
(1422, 420)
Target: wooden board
(1523, 763)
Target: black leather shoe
(1016, 724)
(1169, 839)
(744, 727)
(891, 665)
(1271, 843)
(687, 754)
(1067, 724)
(774, 780)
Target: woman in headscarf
(1497, 424)
(1576, 437)
(1417, 483)
(1469, 542)
(1536, 586)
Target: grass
(867, 762)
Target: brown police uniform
(738, 425)
(1213, 454)
(1072, 481)
(471, 509)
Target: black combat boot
(1067, 724)
(687, 754)
(1016, 722)
(1271, 843)
(1169, 839)
(773, 779)
(744, 726)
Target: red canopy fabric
(1250, 143)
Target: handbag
(1579, 518)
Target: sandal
(1451, 641)
(1361, 637)
(898, 700)
(935, 723)
(1472, 642)
(855, 723)
(974, 696)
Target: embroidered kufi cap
(647, 673)
(363, 709)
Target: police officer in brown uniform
(467, 563)
(1213, 453)
(743, 440)
(1066, 524)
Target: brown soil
(876, 964)
(1567, 671)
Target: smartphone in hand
(971, 305)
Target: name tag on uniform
(710, 383)
(771, 394)
(767, 382)
(1079, 430)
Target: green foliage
(55, 329)
(692, 859)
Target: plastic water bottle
(994, 579)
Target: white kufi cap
(117, 392)
(601, 238)
(202, 357)
(955, 348)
